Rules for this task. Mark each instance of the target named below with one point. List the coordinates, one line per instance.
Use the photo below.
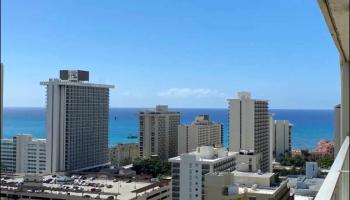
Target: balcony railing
(336, 184)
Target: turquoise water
(309, 125)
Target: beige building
(123, 154)
(241, 185)
(249, 127)
(202, 132)
(282, 138)
(23, 154)
(159, 132)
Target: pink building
(325, 147)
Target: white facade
(282, 136)
(77, 123)
(311, 169)
(248, 162)
(249, 127)
(22, 154)
(158, 132)
(188, 170)
(337, 117)
(202, 132)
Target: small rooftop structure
(74, 75)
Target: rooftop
(206, 154)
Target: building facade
(282, 136)
(241, 186)
(77, 122)
(159, 190)
(337, 117)
(202, 132)
(188, 170)
(311, 169)
(249, 129)
(158, 132)
(23, 154)
(1, 100)
(123, 154)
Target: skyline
(154, 54)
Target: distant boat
(115, 118)
(132, 137)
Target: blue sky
(181, 53)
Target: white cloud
(188, 92)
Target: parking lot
(97, 188)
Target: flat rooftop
(204, 160)
(255, 175)
(124, 189)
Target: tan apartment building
(249, 127)
(202, 132)
(158, 132)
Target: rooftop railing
(336, 184)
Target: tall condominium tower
(249, 127)
(1, 99)
(282, 136)
(77, 122)
(158, 132)
(202, 132)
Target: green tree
(154, 167)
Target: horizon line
(171, 108)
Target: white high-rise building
(188, 170)
(159, 132)
(202, 132)
(249, 127)
(77, 122)
(1, 100)
(282, 137)
(22, 154)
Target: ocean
(309, 125)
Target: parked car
(87, 196)
(109, 186)
(129, 181)
(115, 180)
(110, 197)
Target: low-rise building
(188, 170)
(311, 170)
(123, 154)
(23, 154)
(244, 185)
(324, 147)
